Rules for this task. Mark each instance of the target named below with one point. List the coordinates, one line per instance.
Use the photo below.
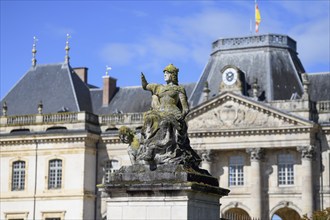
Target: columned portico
(307, 178)
(256, 155)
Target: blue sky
(145, 36)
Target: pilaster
(307, 153)
(256, 155)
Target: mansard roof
(319, 88)
(271, 59)
(55, 85)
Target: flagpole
(255, 14)
(250, 26)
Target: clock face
(229, 76)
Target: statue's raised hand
(143, 81)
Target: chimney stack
(109, 89)
(82, 73)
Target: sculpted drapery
(164, 137)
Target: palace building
(260, 123)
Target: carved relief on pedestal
(231, 114)
(307, 152)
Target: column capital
(256, 154)
(307, 152)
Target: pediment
(231, 111)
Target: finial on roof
(255, 89)
(306, 83)
(206, 91)
(34, 51)
(108, 68)
(40, 107)
(4, 108)
(67, 48)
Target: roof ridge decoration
(231, 111)
(34, 51)
(107, 69)
(67, 49)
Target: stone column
(255, 180)
(207, 156)
(307, 178)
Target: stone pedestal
(168, 192)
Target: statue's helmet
(171, 68)
(174, 72)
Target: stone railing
(20, 120)
(323, 106)
(60, 117)
(127, 118)
(69, 117)
(254, 41)
(63, 117)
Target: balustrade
(127, 118)
(60, 117)
(67, 117)
(323, 106)
(21, 119)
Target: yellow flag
(258, 17)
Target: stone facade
(269, 145)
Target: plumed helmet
(171, 68)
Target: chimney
(109, 89)
(82, 73)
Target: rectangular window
(236, 173)
(110, 167)
(55, 174)
(18, 175)
(16, 216)
(285, 169)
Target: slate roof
(319, 88)
(59, 88)
(55, 85)
(127, 100)
(270, 58)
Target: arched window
(110, 166)
(236, 172)
(55, 174)
(18, 175)
(285, 169)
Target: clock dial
(229, 76)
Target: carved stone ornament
(232, 114)
(256, 154)
(307, 152)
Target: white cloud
(187, 38)
(120, 53)
(313, 42)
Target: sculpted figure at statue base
(164, 137)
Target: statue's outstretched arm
(144, 81)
